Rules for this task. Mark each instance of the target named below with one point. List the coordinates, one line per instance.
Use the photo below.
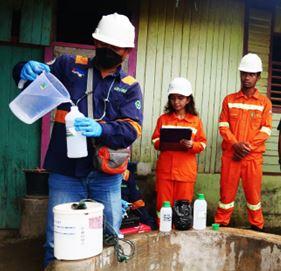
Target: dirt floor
(21, 254)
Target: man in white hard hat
(113, 104)
(245, 124)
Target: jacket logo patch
(128, 80)
(80, 73)
(81, 60)
(122, 90)
(138, 104)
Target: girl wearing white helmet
(176, 168)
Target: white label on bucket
(82, 236)
(77, 236)
(95, 222)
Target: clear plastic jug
(44, 94)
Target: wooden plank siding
(271, 164)
(200, 40)
(277, 18)
(36, 22)
(20, 143)
(5, 20)
(272, 152)
(259, 39)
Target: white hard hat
(250, 63)
(117, 30)
(180, 85)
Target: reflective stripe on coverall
(176, 171)
(243, 119)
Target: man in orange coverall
(244, 124)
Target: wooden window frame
(269, 7)
(275, 109)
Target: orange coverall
(176, 171)
(243, 119)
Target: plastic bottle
(200, 213)
(75, 141)
(166, 217)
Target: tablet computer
(170, 138)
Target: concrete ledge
(33, 217)
(225, 250)
(8, 234)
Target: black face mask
(106, 58)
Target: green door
(19, 142)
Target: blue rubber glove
(88, 127)
(125, 205)
(33, 68)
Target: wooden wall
(277, 18)
(20, 143)
(36, 22)
(25, 26)
(201, 40)
(259, 36)
(32, 21)
(259, 39)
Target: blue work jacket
(121, 124)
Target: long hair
(189, 108)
